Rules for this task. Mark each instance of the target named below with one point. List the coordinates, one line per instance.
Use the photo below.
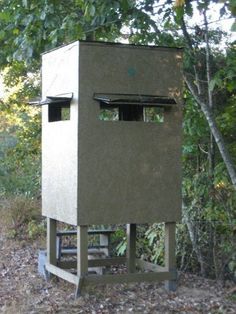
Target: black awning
(135, 99)
(54, 100)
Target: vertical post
(51, 241)
(170, 259)
(104, 241)
(131, 247)
(82, 256)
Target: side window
(108, 113)
(126, 112)
(153, 114)
(133, 107)
(58, 112)
(58, 107)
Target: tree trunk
(211, 153)
(214, 130)
(196, 90)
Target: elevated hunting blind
(111, 146)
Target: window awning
(54, 100)
(135, 99)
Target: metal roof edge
(118, 44)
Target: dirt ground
(22, 290)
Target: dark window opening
(58, 112)
(130, 112)
(126, 112)
(133, 107)
(58, 107)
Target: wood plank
(104, 240)
(144, 265)
(96, 249)
(170, 259)
(51, 241)
(131, 247)
(62, 233)
(94, 263)
(90, 232)
(62, 273)
(82, 250)
(101, 231)
(82, 257)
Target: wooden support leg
(51, 245)
(51, 241)
(131, 247)
(170, 259)
(82, 257)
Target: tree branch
(190, 45)
(210, 98)
(214, 129)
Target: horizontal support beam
(110, 278)
(94, 262)
(55, 270)
(90, 232)
(96, 249)
(144, 265)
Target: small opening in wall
(108, 113)
(58, 112)
(130, 112)
(127, 112)
(153, 114)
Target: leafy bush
(19, 177)
(36, 229)
(155, 235)
(149, 242)
(22, 217)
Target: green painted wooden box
(113, 154)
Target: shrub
(21, 215)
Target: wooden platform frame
(152, 272)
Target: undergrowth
(21, 217)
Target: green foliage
(155, 236)
(20, 179)
(225, 78)
(209, 209)
(20, 156)
(121, 247)
(149, 242)
(22, 216)
(36, 229)
(28, 29)
(20, 132)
